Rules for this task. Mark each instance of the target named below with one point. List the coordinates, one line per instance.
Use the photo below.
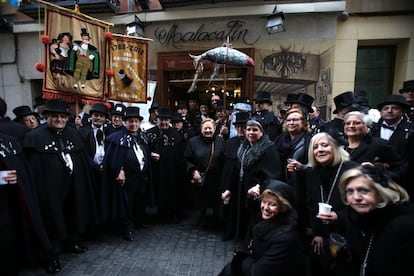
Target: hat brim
(55, 111)
(124, 118)
(403, 105)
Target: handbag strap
(211, 156)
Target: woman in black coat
(379, 224)
(272, 246)
(292, 145)
(362, 147)
(327, 162)
(204, 160)
(259, 161)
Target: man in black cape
(167, 148)
(63, 178)
(22, 230)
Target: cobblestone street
(162, 249)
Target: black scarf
(286, 146)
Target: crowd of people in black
(257, 177)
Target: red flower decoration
(149, 99)
(108, 36)
(110, 73)
(40, 66)
(45, 39)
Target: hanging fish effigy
(219, 55)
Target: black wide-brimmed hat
(407, 86)
(119, 109)
(291, 97)
(394, 99)
(182, 104)
(22, 111)
(132, 112)
(241, 118)
(343, 100)
(99, 108)
(154, 106)
(176, 117)
(56, 106)
(305, 100)
(263, 97)
(164, 112)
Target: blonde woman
(379, 223)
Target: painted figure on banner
(59, 50)
(83, 61)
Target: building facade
(326, 49)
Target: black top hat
(242, 117)
(343, 100)
(22, 111)
(132, 112)
(220, 105)
(394, 99)
(56, 106)
(305, 100)
(164, 112)
(182, 104)
(291, 97)
(176, 117)
(407, 86)
(154, 106)
(204, 102)
(119, 109)
(84, 32)
(99, 108)
(262, 97)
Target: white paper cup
(2, 175)
(324, 208)
(226, 200)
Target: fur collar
(252, 153)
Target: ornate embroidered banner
(75, 58)
(128, 57)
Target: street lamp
(275, 22)
(135, 28)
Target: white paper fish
(219, 55)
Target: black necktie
(99, 136)
(387, 127)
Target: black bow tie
(388, 127)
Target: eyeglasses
(293, 120)
(360, 191)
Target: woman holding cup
(379, 223)
(327, 162)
